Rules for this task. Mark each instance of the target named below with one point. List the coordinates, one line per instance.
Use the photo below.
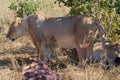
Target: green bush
(106, 11)
(117, 5)
(24, 8)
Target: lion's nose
(12, 39)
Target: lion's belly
(65, 41)
(63, 38)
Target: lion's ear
(17, 21)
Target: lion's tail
(101, 33)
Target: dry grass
(15, 55)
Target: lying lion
(69, 32)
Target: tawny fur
(69, 32)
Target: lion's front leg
(39, 49)
(45, 51)
(40, 52)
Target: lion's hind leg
(81, 51)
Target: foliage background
(24, 8)
(106, 11)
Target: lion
(70, 32)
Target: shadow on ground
(19, 55)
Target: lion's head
(17, 29)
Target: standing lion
(69, 32)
